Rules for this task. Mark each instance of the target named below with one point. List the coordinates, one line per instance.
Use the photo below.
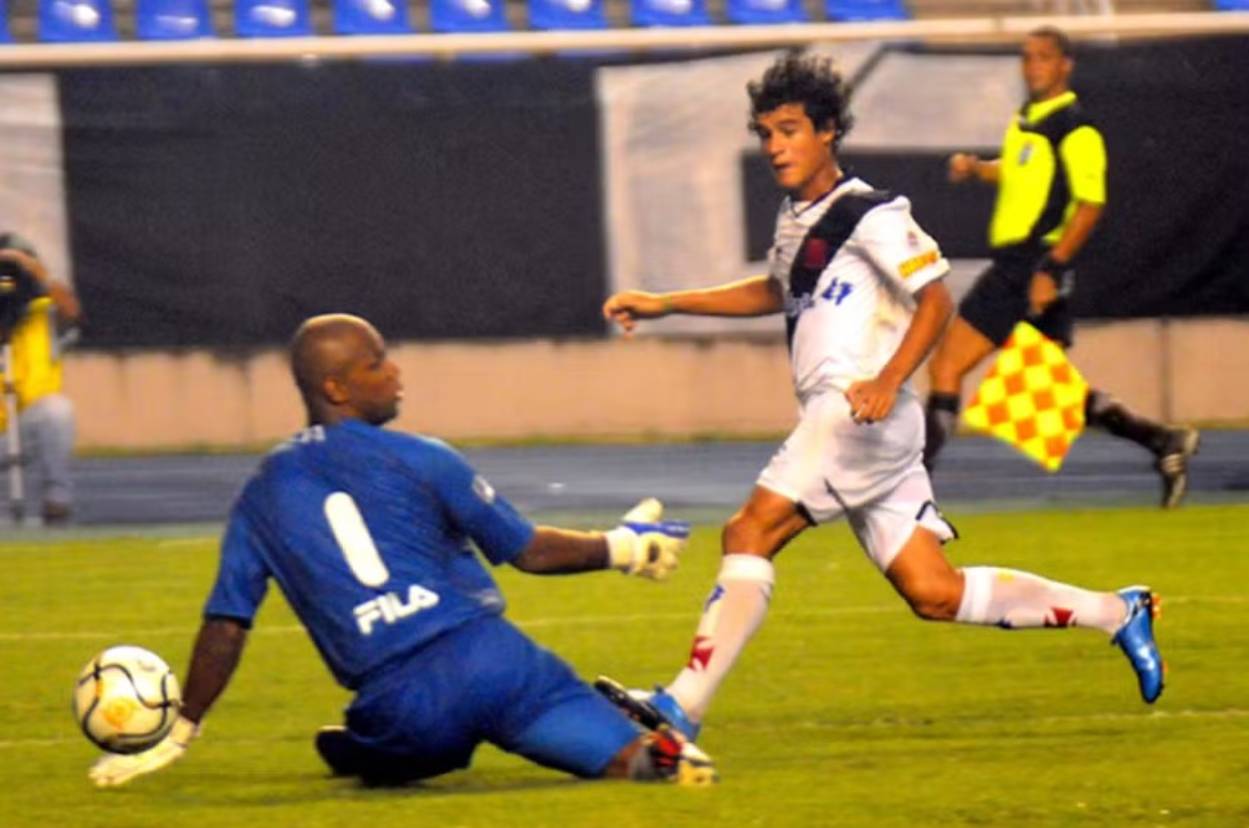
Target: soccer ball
(126, 699)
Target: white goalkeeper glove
(117, 769)
(646, 546)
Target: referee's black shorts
(999, 299)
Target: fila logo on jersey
(390, 608)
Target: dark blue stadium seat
(76, 21)
(5, 36)
(850, 11)
(468, 15)
(567, 14)
(172, 19)
(670, 13)
(1231, 5)
(765, 11)
(272, 18)
(371, 17)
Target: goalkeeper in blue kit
(367, 533)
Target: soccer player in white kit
(860, 284)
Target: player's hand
(116, 769)
(1042, 292)
(962, 167)
(871, 400)
(646, 546)
(627, 307)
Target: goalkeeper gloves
(646, 546)
(116, 769)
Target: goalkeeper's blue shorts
(487, 682)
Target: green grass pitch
(845, 710)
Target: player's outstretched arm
(642, 545)
(218, 648)
(756, 296)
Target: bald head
(339, 363)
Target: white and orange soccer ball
(126, 699)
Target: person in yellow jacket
(1051, 190)
(35, 303)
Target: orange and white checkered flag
(1032, 397)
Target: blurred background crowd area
(518, 15)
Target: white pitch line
(1015, 722)
(555, 621)
(1073, 718)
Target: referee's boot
(1172, 463)
(652, 710)
(1136, 639)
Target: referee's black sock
(1104, 411)
(940, 415)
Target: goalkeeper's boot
(347, 757)
(678, 760)
(1172, 464)
(340, 751)
(1136, 639)
(651, 710)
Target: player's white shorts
(872, 474)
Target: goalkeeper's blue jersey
(367, 532)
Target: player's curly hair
(809, 80)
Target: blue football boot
(1136, 639)
(651, 710)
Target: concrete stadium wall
(1183, 370)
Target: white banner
(32, 179)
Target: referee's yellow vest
(1052, 157)
(36, 367)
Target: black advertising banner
(221, 205)
(1175, 237)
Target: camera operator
(31, 305)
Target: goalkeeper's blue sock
(1012, 599)
(731, 615)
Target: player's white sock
(733, 612)
(1013, 599)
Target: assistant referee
(1051, 191)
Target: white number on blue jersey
(354, 540)
(367, 565)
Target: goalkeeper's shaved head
(324, 353)
(324, 346)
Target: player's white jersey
(848, 324)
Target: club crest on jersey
(815, 254)
(483, 489)
(1025, 153)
